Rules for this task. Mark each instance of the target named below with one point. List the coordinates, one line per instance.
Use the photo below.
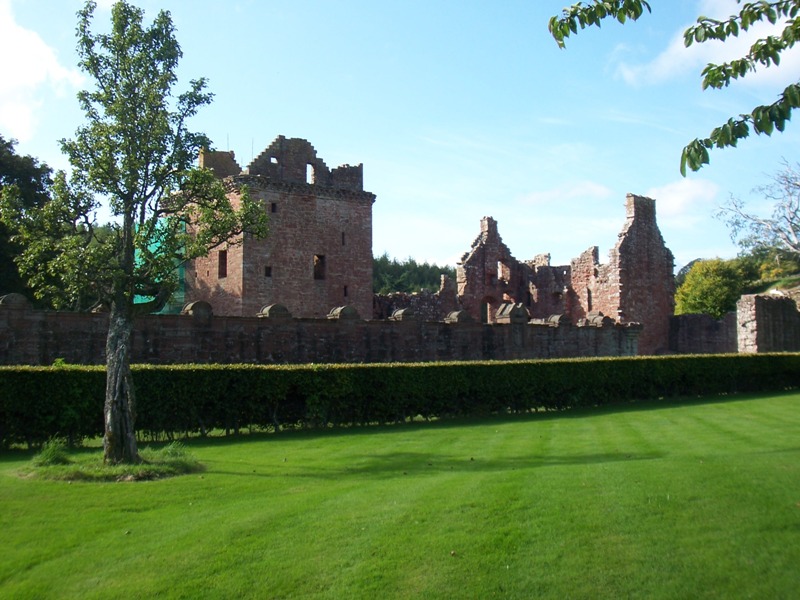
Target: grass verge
(56, 462)
(662, 501)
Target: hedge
(37, 403)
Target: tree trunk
(119, 440)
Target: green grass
(662, 501)
(784, 283)
(55, 462)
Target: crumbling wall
(294, 160)
(645, 269)
(768, 323)
(38, 337)
(488, 275)
(636, 285)
(548, 288)
(428, 306)
(223, 164)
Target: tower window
(273, 207)
(319, 266)
(343, 238)
(222, 266)
(345, 291)
(267, 271)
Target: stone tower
(318, 254)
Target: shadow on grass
(300, 434)
(400, 464)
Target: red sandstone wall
(316, 216)
(646, 276)
(488, 275)
(702, 334)
(37, 337)
(768, 324)
(635, 286)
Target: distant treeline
(390, 275)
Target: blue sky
(458, 110)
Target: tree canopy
(764, 52)
(136, 155)
(391, 275)
(30, 182)
(710, 287)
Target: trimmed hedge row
(37, 403)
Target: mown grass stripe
(667, 501)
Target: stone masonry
(635, 286)
(767, 323)
(318, 253)
(30, 336)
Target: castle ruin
(636, 285)
(304, 294)
(318, 253)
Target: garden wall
(32, 337)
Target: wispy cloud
(31, 67)
(685, 202)
(676, 60)
(578, 190)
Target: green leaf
(699, 34)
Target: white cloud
(676, 60)
(30, 68)
(684, 203)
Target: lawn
(699, 500)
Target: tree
(782, 229)
(136, 153)
(27, 178)
(390, 275)
(768, 263)
(684, 271)
(764, 52)
(711, 287)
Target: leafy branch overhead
(764, 52)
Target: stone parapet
(198, 336)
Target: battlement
(222, 163)
(294, 160)
(287, 160)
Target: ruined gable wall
(223, 164)
(294, 160)
(489, 275)
(646, 279)
(635, 286)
